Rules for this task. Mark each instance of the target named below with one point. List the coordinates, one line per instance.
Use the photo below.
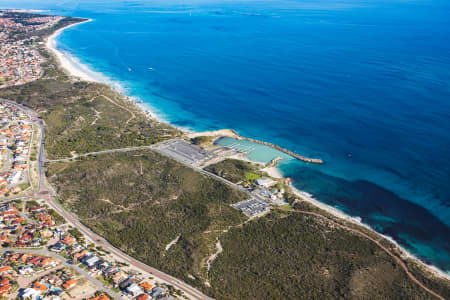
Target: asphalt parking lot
(251, 207)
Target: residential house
(133, 290)
(5, 270)
(156, 292)
(119, 277)
(30, 293)
(4, 286)
(100, 297)
(80, 255)
(124, 284)
(142, 297)
(68, 240)
(69, 284)
(146, 286)
(40, 287)
(27, 269)
(58, 247)
(90, 260)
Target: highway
(128, 259)
(45, 190)
(48, 193)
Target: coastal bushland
(140, 201)
(235, 170)
(84, 117)
(294, 256)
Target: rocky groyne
(274, 162)
(233, 134)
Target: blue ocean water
(364, 85)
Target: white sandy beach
(273, 172)
(64, 61)
(76, 69)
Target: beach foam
(358, 220)
(70, 63)
(74, 67)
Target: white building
(30, 293)
(14, 177)
(265, 182)
(90, 260)
(134, 290)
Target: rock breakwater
(284, 150)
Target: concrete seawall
(284, 150)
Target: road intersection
(45, 190)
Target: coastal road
(45, 252)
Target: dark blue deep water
(363, 84)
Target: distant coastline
(85, 74)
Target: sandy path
(213, 257)
(122, 107)
(173, 242)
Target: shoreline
(404, 253)
(63, 61)
(74, 68)
(275, 172)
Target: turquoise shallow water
(256, 152)
(377, 207)
(364, 85)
